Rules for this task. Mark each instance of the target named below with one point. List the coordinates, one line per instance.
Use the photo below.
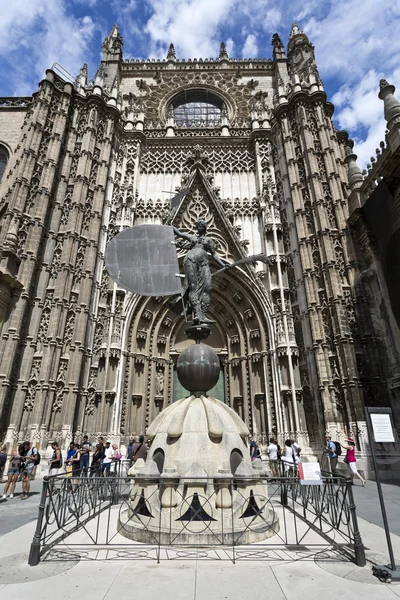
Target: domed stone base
(198, 485)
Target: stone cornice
(232, 64)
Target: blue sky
(356, 43)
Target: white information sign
(310, 473)
(382, 426)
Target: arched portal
(241, 338)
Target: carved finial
(84, 70)
(383, 83)
(391, 104)
(223, 54)
(295, 30)
(171, 55)
(354, 171)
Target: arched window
(193, 108)
(3, 161)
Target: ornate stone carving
(224, 158)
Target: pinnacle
(222, 51)
(171, 55)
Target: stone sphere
(198, 368)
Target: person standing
(129, 449)
(54, 464)
(333, 457)
(289, 459)
(100, 441)
(30, 461)
(254, 452)
(297, 452)
(3, 459)
(68, 460)
(85, 449)
(351, 460)
(116, 460)
(76, 467)
(139, 450)
(95, 467)
(13, 474)
(272, 451)
(107, 460)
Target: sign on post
(382, 427)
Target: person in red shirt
(350, 459)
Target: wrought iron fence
(94, 517)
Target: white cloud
(360, 111)
(190, 25)
(230, 47)
(273, 18)
(48, 34)
(89, 3)
(356, 41)
(350, 36)
(250, 48)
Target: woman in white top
(289, 458)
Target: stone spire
(81, 80)
(171, 55)
(223, 54)
(278, 47)
(354, 171)
(391, 104)
(112, 45)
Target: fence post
(34, 553)
(359, 550)
(284, 492)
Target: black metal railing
(79, 515)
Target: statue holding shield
(197, 286)
(143, 260)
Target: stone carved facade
(270, 175)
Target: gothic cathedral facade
(254, 144)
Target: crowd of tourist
(80, 461)
(285, 461)
(106, 460)
(281, 461)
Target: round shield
(143, 260)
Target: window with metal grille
(196, 108)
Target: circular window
(196, 108)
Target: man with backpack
(31, 459)
(333, 453)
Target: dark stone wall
(382, 215)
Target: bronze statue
(197, 286)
